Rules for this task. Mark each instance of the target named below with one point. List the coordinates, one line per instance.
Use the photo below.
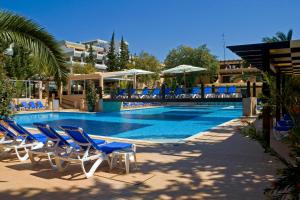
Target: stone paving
(218, 164)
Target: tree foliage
(7, 91)
(198, 57)
(124, 55)
(147, 62)
(279, 37)
(111, 55)
(91, 59)
(83, 69)
(22, 31)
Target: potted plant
(91, 96)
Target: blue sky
(156, 26)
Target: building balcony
(239, 71)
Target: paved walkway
(220, 164)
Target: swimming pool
(155, 124)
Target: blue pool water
(163, 123)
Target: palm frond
(18, 29)
(281, 36)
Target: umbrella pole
(184, 82)
(134, 81)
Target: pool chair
(221, 91)
(56, 144)
(168, 92)
(121, 93)
(179, 93)
(133, 92)
(144, 94)
(155, 93)
(195, 93)
(32, 105)
(283, 127)
(91, 150)
(232, 91)
(24, 106)
(23, 141)
(40, 105)
(208, 92)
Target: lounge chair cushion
(113, 146)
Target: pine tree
(124, 54)
(111, 55)
(91, 57)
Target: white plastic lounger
(89, 150)
(56, 144)
(22, 143)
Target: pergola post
(282, 88)
(278, 94)
(266, 114)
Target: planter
(91, 108)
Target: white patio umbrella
(130, 72)
(183, 69)
(134, 73)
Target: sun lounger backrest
(232, 89)
(156, 91)
(51, 133)
(32, 104)
(195, 90)
(79, 136)
(40, 104)
(167, 91)
(145, 91)
(222, 90)
(25, 104)
(207, 90)
(7, 132)
(20, 130)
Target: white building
(77, 52)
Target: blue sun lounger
(89, 150)
(32, 105)
(121, 93)
(145, 93)
(178, 93)
(195, 92)
(24, 105)
(221, 91)
(208, 92)
(168, 92)
(155, 93)
(56, 144)
(40, 105)
(24, 140)
(232, 91)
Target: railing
(196, 94)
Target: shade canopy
(183, 69)
(282, 57)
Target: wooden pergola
(279, 59)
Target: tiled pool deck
(219, 164)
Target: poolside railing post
(248, 94)
(266, 114)
(254, 90)
(163, 92)
(202, 90)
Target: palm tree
(24, 32)
(280, 36)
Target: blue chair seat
(113, 146)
